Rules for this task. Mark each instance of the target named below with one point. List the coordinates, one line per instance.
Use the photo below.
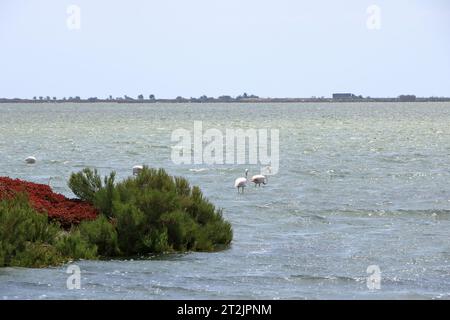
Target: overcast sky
(278, 48)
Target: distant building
(407, 98)
(225, 98)
(343, 96)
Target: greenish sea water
(358, 185)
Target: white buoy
(30, 160)
(137, 169)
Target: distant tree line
(245, 97)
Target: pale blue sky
(282, 48)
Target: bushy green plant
(37, 255)
(85, 184)
(130, 224)
(146, 214)
(181, 229)
(105, 197)
(26, 237)
(101, 233)
(74, 246)
(154, 212)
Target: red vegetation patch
(59, 208)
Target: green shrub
(105, 197)
(74, 246)
(28, 239)
(156, 241)
(37, 255)
(85, 184)
(181, 230)
(154, 213)
(130, 224)
(26, 235)
(101, 233)
(146, 214)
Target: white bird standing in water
(241, 183)
(258, 179)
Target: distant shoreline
(227, 100)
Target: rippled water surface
(358, 185)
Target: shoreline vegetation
(145, 215)
(244, 98)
